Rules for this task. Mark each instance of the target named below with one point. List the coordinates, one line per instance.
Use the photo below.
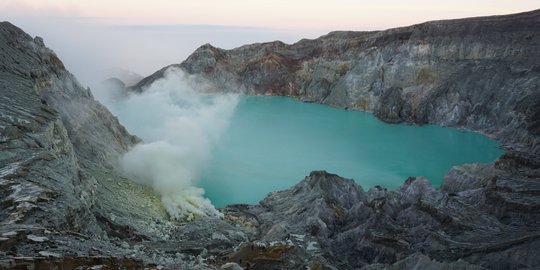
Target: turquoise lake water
(274, 142)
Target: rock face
(63, 205)
(481, 74)
(49, 126)
(58, 150)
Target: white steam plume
(179, 126)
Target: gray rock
(41, 179)
(432, 229)
(231, 266)
(49, 254)
(420, 261)
(36, 238)
(54, 137)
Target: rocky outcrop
(58, 148)
(334, 222)
(481, 74)
(40, 170)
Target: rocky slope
(59, 192)
(63, 205)
(337, 223)
(481, 74)
(52, 129)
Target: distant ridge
(477, 73)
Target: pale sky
(144, 36)
(287, 14)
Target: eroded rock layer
(481, 74)
(59, 192)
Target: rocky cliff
(481, 74)
(59, 192)
(63, 205)
(52, 131)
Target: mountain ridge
(451, 72)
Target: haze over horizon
(94, 36)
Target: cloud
(180, 125)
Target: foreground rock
(481, 74)
(61, 202)
(332, 222)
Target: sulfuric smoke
(179, 126)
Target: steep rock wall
(63, 204)
(52, 132)
(481, 73)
